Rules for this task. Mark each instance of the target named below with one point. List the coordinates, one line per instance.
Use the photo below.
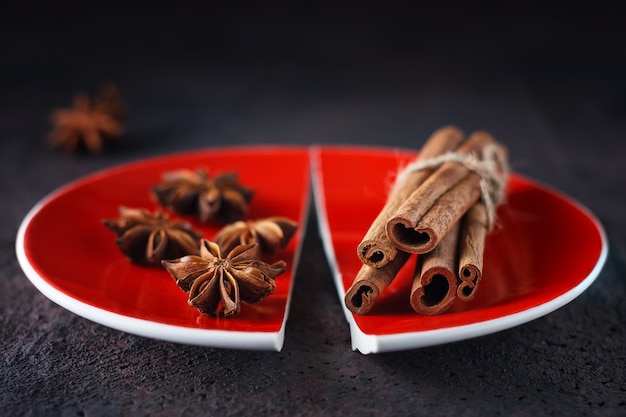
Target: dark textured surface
(548, 82)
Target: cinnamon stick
(375, 249)
(471, 249)
(435, 282)
(448, 210)
(427, 214)
(370, 282)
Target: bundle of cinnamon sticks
(441, 208)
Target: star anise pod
(217, 285)
(89, 124)
(272, 234)
(221, 199)
(147, 238)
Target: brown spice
(445, 220)
(217, 285)
(375, 249)
(471, 250)
(436, 222)
(221, 199)
(370, 283)
(272, 234)
(435, 281)
(449, 192)
(147, 238)
(89, 124)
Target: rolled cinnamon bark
(435, 281)
(471, 250)
(375, 249)
(427, 214)
(448, 210)
(371, 282)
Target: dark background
(547, 80)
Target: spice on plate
(426, 216)
(370, 283)
(146, 238)
(272, 234)
(217, 284)
(473, 231)
(444, 218)
(89, 124)
(376, 249)
(221, 199)
(380, 256)
(435, 280)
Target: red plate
(72, 258)
(545, 251)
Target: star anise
(217, 285)
(221, 199)
(272, 234)
(89, 124)
(147, 238)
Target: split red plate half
(71, 257)
(546, 250)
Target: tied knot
(491, 167)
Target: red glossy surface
(543, 246)
(68, 246)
